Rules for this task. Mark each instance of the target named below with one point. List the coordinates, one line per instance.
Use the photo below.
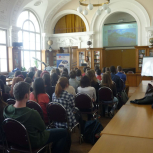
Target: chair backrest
(56, 112)
(15, 133)
(5, 96)
(10, 101)
(105, 94)
(33, 105)
(83, 101)
(130, 72)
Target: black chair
(33, 105)
(57, 113)
(17, 136)
(10, 101)
(2, 143)
(85, 104)
(105, 94)
(5, 96)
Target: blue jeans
(108, 102)
(61, 140)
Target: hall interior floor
(85, 147)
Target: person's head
(85, 82)
(28, 80)
(78, 72)
(87, 69)
(64, 74)
(52, 71)
(91, 76)
(21, 76)
(2, 86)
(84, 69)
(21, 91)
(44, 72)
(96, 68)
(87, 58)
(46, 79)
(14, 81)
(98, 72)
(53, 79)
(107, 69)
(37, 74)
(31, 75)
(76, 69)
(38, 87)
(62, 84)
(104, 69)
(32, 69)
(65, 70)
(112, 69)
(106, 81)
(3, 78)
(17, 73)
(108, 72)
(72, 74)
(58, 72)
(119, 68)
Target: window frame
(1, 44)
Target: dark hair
(46, 78)
(37, 74)
(3, 78)
(107, 69)
(28, 80)
(32, 69)
(57, 71)
(87, 57)
(44, 72)
(73, 74)
(98, 72)
(96, 68)
(85, 82)
(112, 69)
(53, 79)
(38, 87)
(84, 69)
(17, 73)
(91, 76)
(78, 72)
(20, 89)
(119, 68)
(2, 86)
(60, 86)
(65, 70)
(31, 75)
(64, 74)
(104, 69)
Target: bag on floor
(90, 130)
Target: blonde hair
(91, 76)
(60, 86)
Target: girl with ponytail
(66, 99)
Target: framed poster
(63, 60)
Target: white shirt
(71, 90)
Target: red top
(99, 77)
(83, 74)
(43, 100)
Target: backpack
(90, 130)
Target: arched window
(30, 36)
(70, 23)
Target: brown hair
(119, 68)
(37, 74)
(15, 80)
(106, 81)
(91, 75)
(60, 86)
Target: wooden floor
(84, 147)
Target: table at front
(122, 144)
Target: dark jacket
(117, 80)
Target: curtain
(69, 24)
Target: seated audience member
(48, 88)
(67, 100)
(116, 79)
(64, 74)
(99, 75)
(103, 70)
(58, 72)
(6, 88)
(78, 75)
(93, 81)
(65, 70)
(38, 95)
(84, 70)
(31, 75)
(72, 81)
(107, 82)
(21, 76)
(29, 81)
(53, 79)
(44, 72)
(2, 86)
(32, 121)
(37, 74)
(2, 106)
(70, 90)
(52, 71)
(86, 88)
(95, 69)
(107, 69)
(32, 69)
(17, 73)
(14, 81)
